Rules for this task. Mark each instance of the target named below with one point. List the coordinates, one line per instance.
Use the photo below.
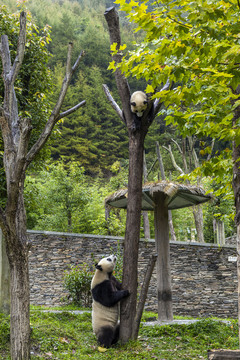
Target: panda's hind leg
(116, 334)
(106, 336)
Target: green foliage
(77, 281)
(33, 85)
(195, 45)
(65, 335)
(62, 198)
(4, 329)
(94, 136)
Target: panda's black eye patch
(109, 259)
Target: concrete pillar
(4, 278)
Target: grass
(69, 336)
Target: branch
(70, 111)
(178, 146)
(55, 116)
(157, 103)
(112, 19)
(160, 161)
(212, 146)
(153, 164)
(173, 159)
(194, 154)
(20, 47)
(113, 102)
(25, 131)
(143, 294)
(10, 73)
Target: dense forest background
(87, 157)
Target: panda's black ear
(133, 103)
(99, 267)
(145, 102)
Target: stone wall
(204, 277)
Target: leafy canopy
(195, 44)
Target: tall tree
(136, 148)
(19, 152)
(196, 44)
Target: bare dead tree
(136, 147)
(16, 133)
(197, 210)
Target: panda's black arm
(116, 282)
(105, 294)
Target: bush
(77, 282)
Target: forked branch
(55, 115)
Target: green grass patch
(69, 336)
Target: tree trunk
(164, 289)
(20, 325)
(132, 236)
(17, 251)
(170, 220)
(198, 217)
(146, 225)
(136, 147)
(236, 190)
(16, 133)
(238, 273)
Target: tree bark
(170, 220)
(164, 289)
(236, 190)
(132, 236)
(136, 148)
(198, 218)
(143, 295)
(16, 133)
(146, 224)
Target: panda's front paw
(126, 293)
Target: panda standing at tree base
(107, 293)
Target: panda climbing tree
(138, 112)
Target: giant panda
(106, 294)
(139, 103)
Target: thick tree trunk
(164, 289)
(17, 251)
(236, 190)
(136, 145)
(132, 236)
(170, 220)
(238, 273)
(20, 325)
(146, 225)
(17, 157)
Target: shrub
(77, 282)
